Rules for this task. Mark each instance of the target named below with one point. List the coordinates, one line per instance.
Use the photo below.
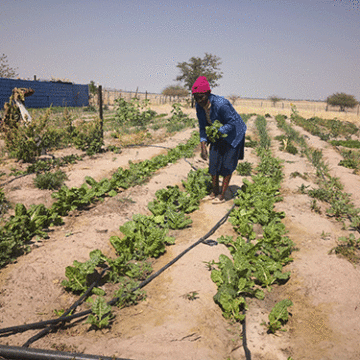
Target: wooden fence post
(101, 111)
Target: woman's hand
(204, 153)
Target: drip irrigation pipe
(244, 340)
(39, 325)
(20, 353)
(67, 312)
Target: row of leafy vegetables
(17, 231)
(256, 263)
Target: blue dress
(225, 153)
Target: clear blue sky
(296, 49)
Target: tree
(93, 89)
(5, 70)
(208, 66)
(233, 98)
(175, 90)
(274, 99)
(343, 100)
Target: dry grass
(306, 109)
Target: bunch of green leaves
(82, 275)
(89, 137)
(134, 112)
(49, 180)
(174, 198)
(22, 227)
(349, 247)
(129, 293)
(244, 168)
(213, 131)
(279, 316)
(197, 183)
(101, 314)
(4, 204)
(351, 159)
(143, 238)
(72, 199)
(23, 140)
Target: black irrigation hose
(67, 312)
(20, 353)
(244, 340)
(39, 325)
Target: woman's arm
(228, 118)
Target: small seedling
(192, 295)
(209, 264)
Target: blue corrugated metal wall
(46, 93)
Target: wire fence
(258, 105)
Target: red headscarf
(201, 85)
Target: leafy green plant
(82, 275)
(349, 247)
(128, 295)
(101, 314)
(191, 296)
(89, 137)
(244, 168)
(212, 131)
(24, 140)
(278, 316)
(49, 180)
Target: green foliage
(208, 66)
(23, 140)
(175, 90)
(279, 316)
(349, 247)
(4, 204)
(351, 159)
(260, 123)
(353, 144)
(50, 180)
(213, 133)
(133, 113)
(93, 89)
(257, 264)
(101, 314)
(89, 137)
(82, 275)
(342, 100)
(143, 238)
(22, 227)
(250, 143)
(178, 119)
(129, 294)
(274, 99)
(244, 168)
(6, 71)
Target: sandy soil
(324, 322)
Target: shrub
(50, 181)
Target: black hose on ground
(244, 340)
(67, 312)
(39, 325)
(21, 353)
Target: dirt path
(324, 288)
